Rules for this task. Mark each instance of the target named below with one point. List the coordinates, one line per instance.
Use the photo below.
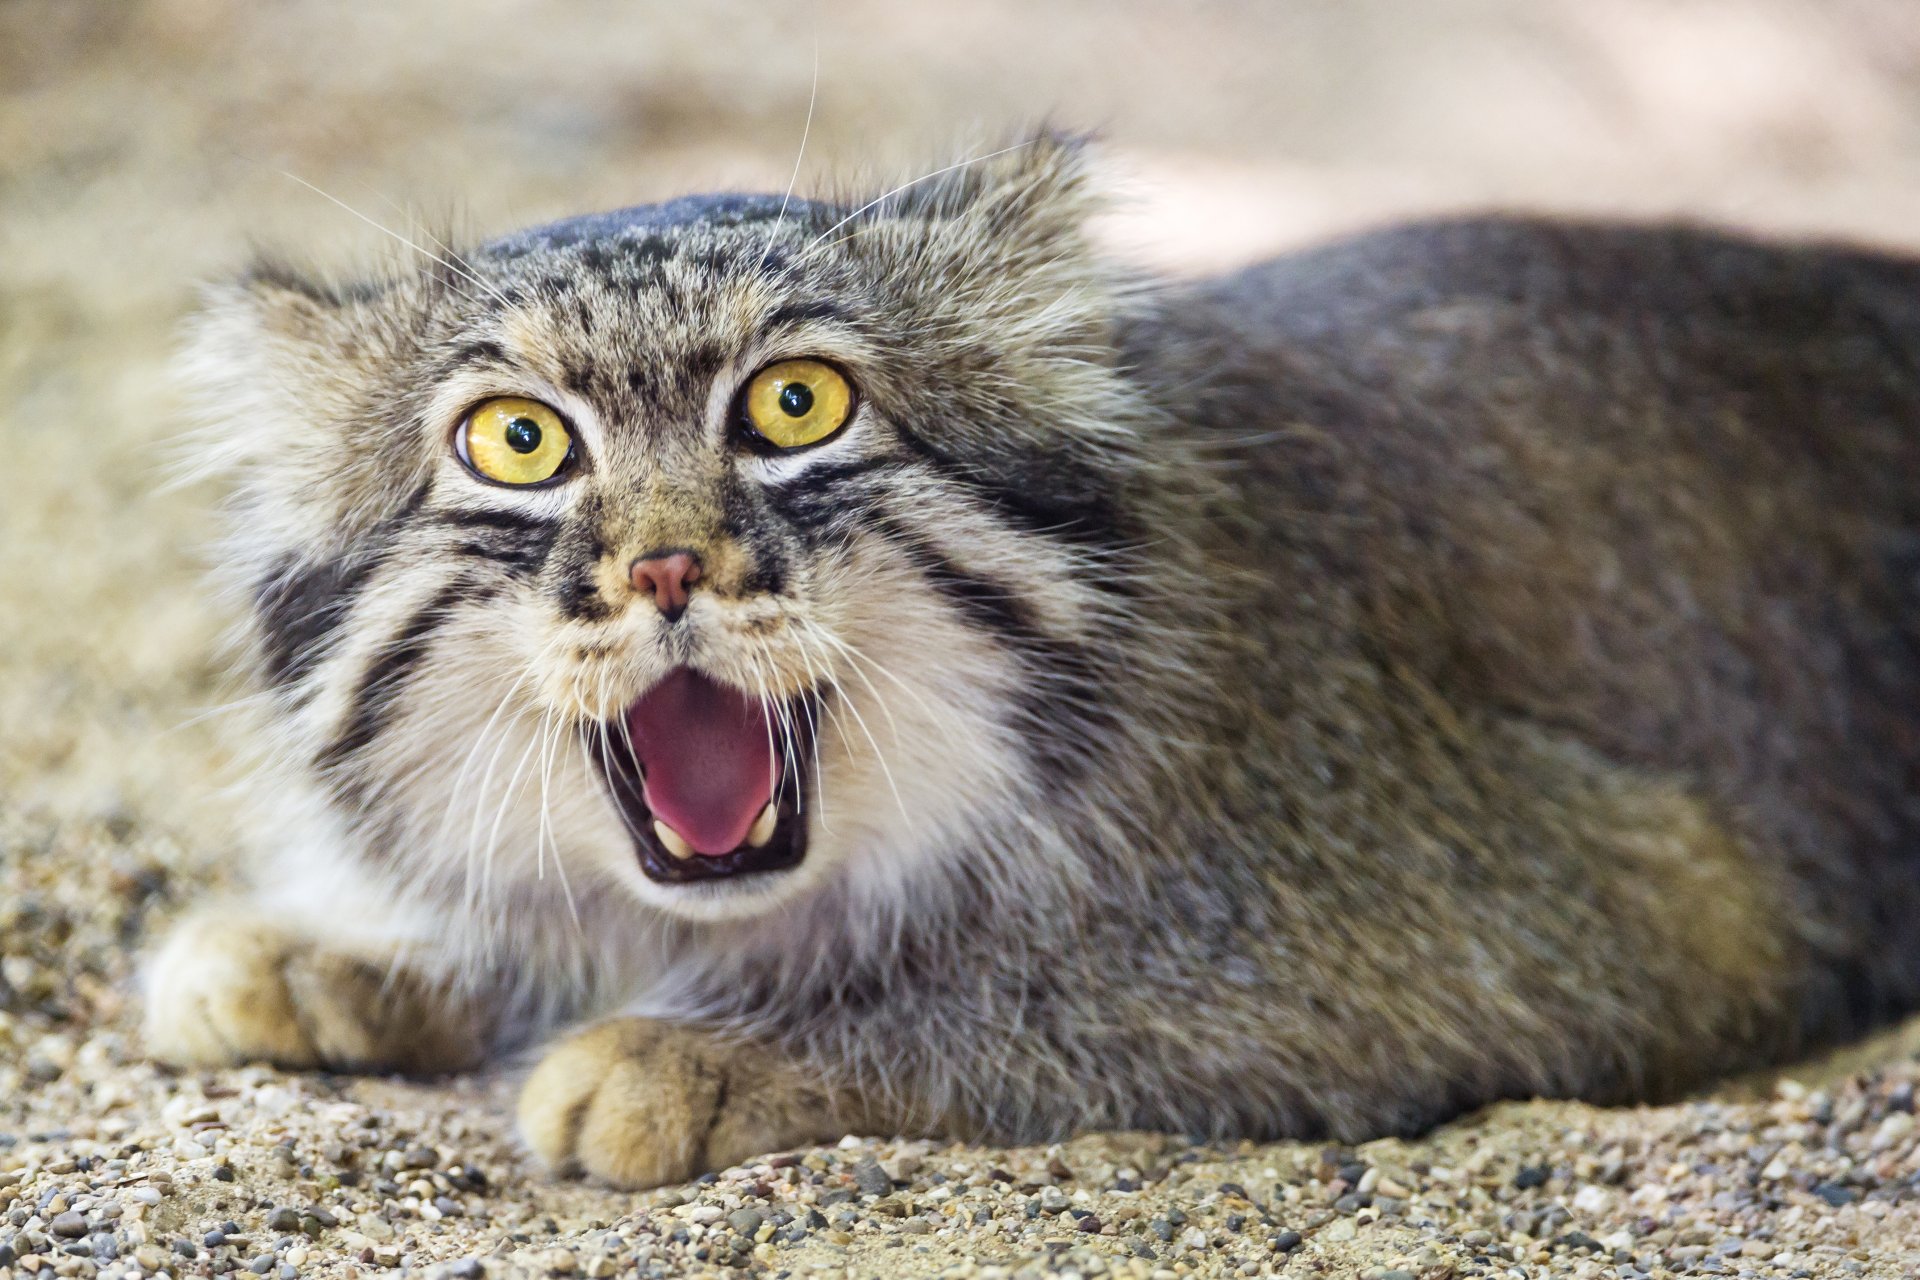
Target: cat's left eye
(513, 441)
(796, 403)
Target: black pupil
(523, 435)
(795, 399)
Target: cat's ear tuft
(272, 347)
(1031, 197)
(274, 324)
(279, 302)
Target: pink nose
(666, 578)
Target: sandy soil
(143, 146)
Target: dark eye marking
(831, 473)
(575, 558)
(493, 518)
(986, 603)
(392, 668)
(821, 494)
(484, 351)
(1048, 494)
(518, 542)
(523, 558)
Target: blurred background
(145, 145)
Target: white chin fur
(733, 898)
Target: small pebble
(1531, 1176)
(871, 1178)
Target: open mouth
(709, 780)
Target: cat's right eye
(512, 441)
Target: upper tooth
(762, 830)
(676, 844)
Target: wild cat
(881, 665)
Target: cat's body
(1469, 661)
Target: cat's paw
(640, 1103)
(219, 994)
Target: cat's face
(699, 552)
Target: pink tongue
(708, 759)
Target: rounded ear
(1033, 194)
(256, 344)
(274, 358)
(1017, 206)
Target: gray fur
(1473, 660)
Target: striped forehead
(637, 311)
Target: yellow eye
(797, 402)
(514, 441)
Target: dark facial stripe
(380, 685)
(744, 518)
(493, 518)
(522, 559)
(520, 543)
(1052, 495)
(1065, 692)
(988, 604)
(823, 494)
(574, 558)
(301, 606)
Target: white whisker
(888, 195)
(383, 228)
(813, 96)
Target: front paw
(220, 994)
(641, 1103)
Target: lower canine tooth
(676, 844)
(763, 826)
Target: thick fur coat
(1473, 660)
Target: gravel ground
(112, 1167)
(142, 147)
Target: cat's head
(709, 552)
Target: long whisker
(879, 756)
(420, 224)
(813, 96)
(551, 730)
(460, 776)
(386, 230)
(853, 652)
(813, 729)
(506, 798)
(265, 697)
(476, 891)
